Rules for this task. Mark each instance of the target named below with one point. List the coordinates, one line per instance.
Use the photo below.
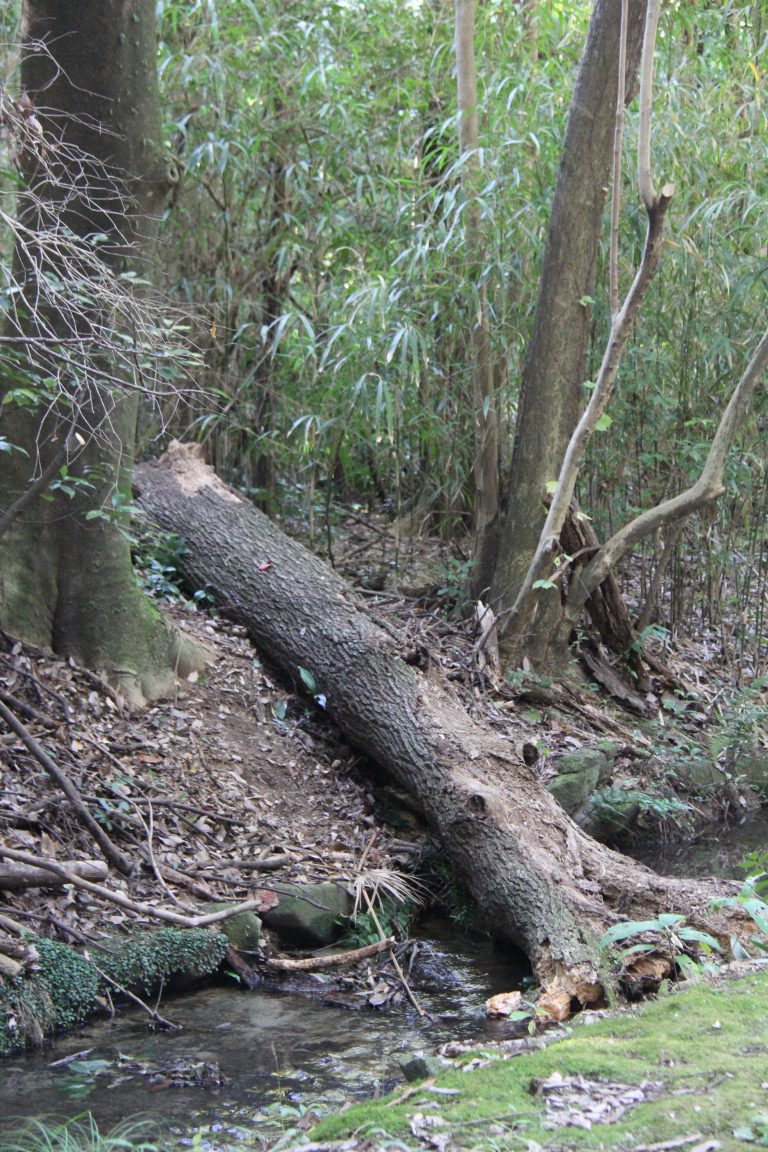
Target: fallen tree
(538, 879)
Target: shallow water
(279, 1054)
(273, 1050)
(717, 851)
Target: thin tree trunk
(538, 880)
(486, 460)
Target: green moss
(65, 989)
(146, 960)
(707, 1047)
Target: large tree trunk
(96, 177)
(551, 390)
(537, 878)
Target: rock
(416, 1066)
(309, 915)
(578, 775)
(243, 931)
(610, 811)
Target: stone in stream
(309, 915)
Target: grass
(707, 1047)
(80, 1134)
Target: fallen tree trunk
(538, 879)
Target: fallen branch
(310, 963)
(15, 877)
(124, 901)
(153, 1014)
(109, 851)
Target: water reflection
(252, 1051)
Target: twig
(393, 957)
(110, 852)
(336, 959)
(151, 1012)
(265, 864)
(150, 830)
(26, 710)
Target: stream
(247, 1066)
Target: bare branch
(123, 901)
(707, 488)
(108, 849)
(78, 324)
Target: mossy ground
(65, 989)
(706, 1045)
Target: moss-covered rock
(65, 988)
(243, 931)
(578, 775)
(309, 915)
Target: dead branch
(153, 1014)
(310, 963)
(60, 778)
(15, 877)
(123, 901)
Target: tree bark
(96, 177)
(551, 391)
(537, 878)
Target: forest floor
(241, 782)
(241, 779)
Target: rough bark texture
(537, 878)
(551, 392)
(65, 579)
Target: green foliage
(753, 898)
(364, 929)
(743, 723)
(69, 980)
(669, 934)
(612, 803)
(80, 1134)
(448, 893)
(320, 221)
(64, 989)
(156, 556)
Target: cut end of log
(192, 474)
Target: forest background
(338, 264)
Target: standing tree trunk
(95, 177)
(551, 393)
(486, 440)
(538, 880)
